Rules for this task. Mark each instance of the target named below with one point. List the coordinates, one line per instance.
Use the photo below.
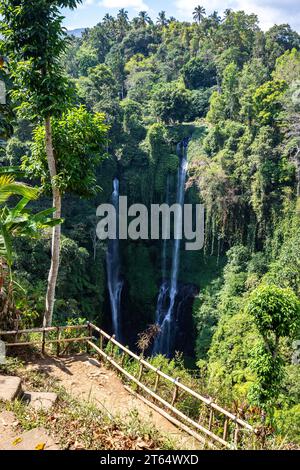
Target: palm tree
(135, 22)
(227, 12)
(216, 19)
(144, 19)
(199, 14)
(123, 22)
(162, 19)
(108, 19)
(123, 15)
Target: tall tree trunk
(56, 231)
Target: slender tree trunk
(56, 231)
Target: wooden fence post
(236, 435)
(88, 334)
(140, 373)
(225, 431)
(101, 342)
(175, 393)
(156, 380)
(211, 418)
(113, 347)
(123, 359)
(58, 341)
(43, 341)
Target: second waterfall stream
(169, 289)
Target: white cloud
(137, 5)
(269, 12)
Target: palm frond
(9, 187)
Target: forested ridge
(138, 87)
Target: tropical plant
(16, 222)
(162, 19)
(144, 19)
(122, 22)
(276, 312)
(199, 14)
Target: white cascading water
(114, 281)
(164, 317)
(165, 242)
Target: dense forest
(119, 100)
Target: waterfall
(115, 283)
(165, 242)
(168, 291)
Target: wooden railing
(215, 427)
(43, 342)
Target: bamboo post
(140, 373)
(89, 333)
(175, 393)
(237, 430)
(58, 341)
(101, 342)
(43, 341)
(225, 431)
(236, 434)
(211, 419)
(123, 359)
(107, 346)
(113, 348)
(156, 380)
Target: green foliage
(269, 376)
(229, 373)
(79, 138)
(140, 268)
(15, 150)
(288, 66)
(199, 72)
(162, 161)
(287, 422)
(267, 104)
(275, 311)
(171, 102)
(132, 116)
(86, 57)
(39, 80)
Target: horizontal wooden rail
(180, 385)
(50, 341)
(47, 329)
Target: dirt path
(88, 379)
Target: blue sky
(269, 11)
